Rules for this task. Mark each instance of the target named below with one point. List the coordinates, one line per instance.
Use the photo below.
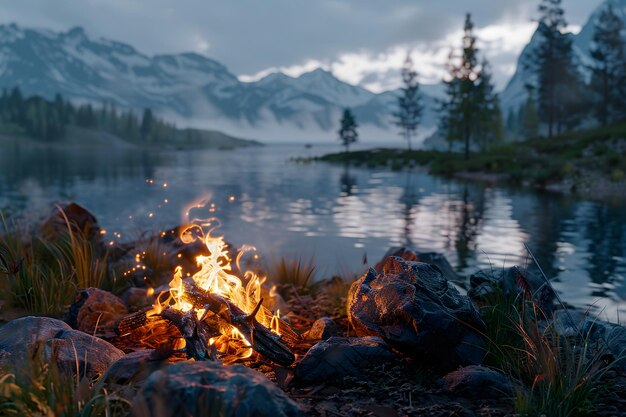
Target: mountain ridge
(187, 87)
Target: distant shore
(82, 138)
(590, 164)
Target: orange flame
(216, 276)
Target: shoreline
(584, 181)
(86, 139)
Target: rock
(338, 357)
(609, 337)
(28, 330)
(134, 368)
(433, 258)
(138, 298)
(478, 382)
(322, 329)
(514, 282)
(195, 388)
(55, 340)
(80, 220)
(411, 306)
(94, 309)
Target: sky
(361, 42)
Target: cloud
(361, 41)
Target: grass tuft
(41, 388)
(559, 374)
(292, 272)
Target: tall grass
(560, 374)
(40, 388)
(90, 270)
(41, 276)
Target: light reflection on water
(334, 213)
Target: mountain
(190, 88)
(514, 94)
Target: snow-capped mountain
(189, 88)
(514, 94)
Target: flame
(216, 276)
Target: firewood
(260, 337)
(196, 333)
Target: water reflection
(335, 213)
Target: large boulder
(208, 388)
(339, 357)
(513, 282)
(433, 258)
(72, 351)
(94, 309)
(411, 306)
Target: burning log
(132, 322)
(262, 339)
(196, 333)
(220, 316)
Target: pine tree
(609, 67)
(529, 118)
(489, 128)
(557, 79)
(461, 117)
(409, 103)
(146, 124)
(511, 123)
(347, 132)
(448, 119)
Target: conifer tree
(529, 118)
(347, 132)
(146, 124)
(557, 80)
(609, 67)
(409, 112)
(489, 128)
(465, 102)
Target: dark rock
(28, 330)
(134, 368)
(433, 258)
(94, 309)
(137, 298)
(339, 357)
(208, 388)
(55, 340)
(322, 329)
(514, 282)
(411, 306)
(80, 221)
(478, 382)
(608, 337)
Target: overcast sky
(361, 41)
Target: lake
(334, 214)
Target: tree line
(558, 99)
(48, 120)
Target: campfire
(218, 310)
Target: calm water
(333, 213)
